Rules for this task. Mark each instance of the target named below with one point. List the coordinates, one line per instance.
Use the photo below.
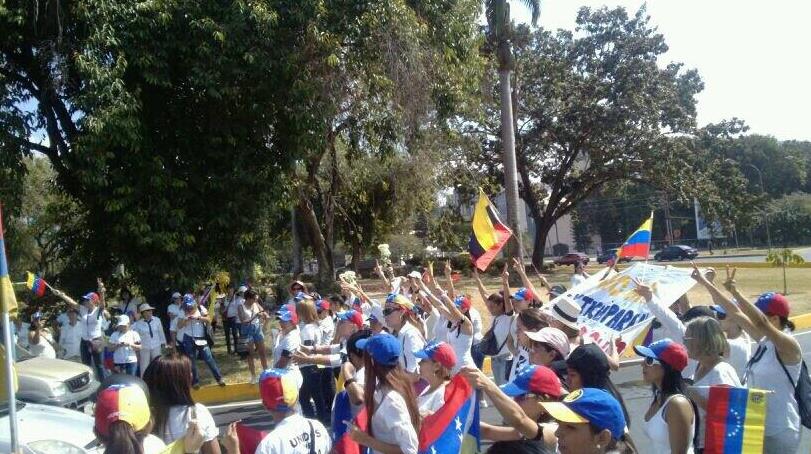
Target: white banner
(610, 308)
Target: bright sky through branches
(754, 57)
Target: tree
(158, 121)
(499, 38)
(594, 107)
(784, 258)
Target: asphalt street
(628, 379)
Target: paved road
(628, 380)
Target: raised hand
(642, 290)
(448, 270)
(730, 283)
(100, 286)
(474, 376)
(230, 440)
(505, 273)
(193, 440)
(517, 266)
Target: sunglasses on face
(390, 310)
(652, 361)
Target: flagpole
(9, 371)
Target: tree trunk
(321, 248)
(508, 155)
(357, 252)
(539, 240)
(297, 265)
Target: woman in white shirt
(251, 319)
(40, 341)
(287, 342)
(173, 408)
(327, 375)
(153, 340)
(706, 343)
(70, 336)
(437, 360)
(776, 364)
(389, 398)
(126, 344)
(311, 386)
(401, 320)
(460, 332)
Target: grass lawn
(752, 282)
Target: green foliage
(784, 257)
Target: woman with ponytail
(394, 419)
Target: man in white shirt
(191, 327)
(40, 341)
(153, 339)
(92, 314)
(579, 275)
(172, 311)
(70, 337)
(293, 433)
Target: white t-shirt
(430, 402)
(391, 422)
(292, 436)
(411, 341)
(289, 342)
(173, 310)
(310, 334)
(45, 348)
(740, 350)
(327, 326)
(476, 318)
(150, 339)
(153, 445)
(231, 306)
(131, 308)
(461, 343)
(70, 336)
(721, 374)
(91, 322)
(440, 331)
(125, 354)
(502, 325)
(62, 319)
(520, 359)
(178, 419)
(22, 334)
(195, 328)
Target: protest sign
(610, 308)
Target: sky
(754, 57)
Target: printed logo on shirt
(303, 439)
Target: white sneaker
(254, 380)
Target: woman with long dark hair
(389, 398)
(587, 367)
(672, 419)
(251, 317)
(170, 381)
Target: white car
(54, 381)
(45, 429)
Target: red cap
(771, 303)
(440, 352)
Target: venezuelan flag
(736, 418)
(36, 284)
(8, 301)
(489, 233)
(454, 428)
(638, 244)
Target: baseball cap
(720, 312)
(400, 300)
(554, 337)
(278, 390)
(377, 314)
(557, 290)
(188, 300)
(145, 307)
(286, 314)
(121, 402)
(771, 303)
(463, 303)
(524, 294)
(667, 351)
(590, 405)
(242, 289)
(697, 311)
(415, 275)
(91, 296)
(123, 320)
(383, 348)
(534, 379)
(440, 352)
(176, 295)
(322, 305)
(352, 316)
(588, 357)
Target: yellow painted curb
(215, 394)
(802, 321)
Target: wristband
(349, 382)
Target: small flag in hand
(36, 284)
(736, 419)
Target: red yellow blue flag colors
(341, 412)
(8, 301)
(454, 428)
(638, 244)
(36, 284)
(489, 233)
(736, 420)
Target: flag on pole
(736, 420)
(36, 284)
(454, 428)
(489, 233)
(342, 411)
(638, 244)
(8, 301)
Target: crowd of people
(395, 357)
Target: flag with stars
(736, 420)
(454, 428)
(342, 411)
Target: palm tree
(784, 258)
(499, 38)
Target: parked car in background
(572, 258)
(676, 252)
(44, 429)
(611, 254)
(54, 381)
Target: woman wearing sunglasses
(400, 318)
(671, 420)
(776, 363)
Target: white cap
(123, 320)
(176, 295)
(145, 307)
(242, 289)
(415, 274)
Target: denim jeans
(328, 387)
(92, 358)
(202, 352)
(232, 327)
(127, 368)
(311, 389)
(500, 366)
(478, 357)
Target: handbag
(489, 344)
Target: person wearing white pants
(153, 340)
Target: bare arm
(519, 268)
(732, 309)
(679, 417)
(482, 289)
(513, 415)
(386, 282)
(456, 316)
(449, 277)
(505, 285)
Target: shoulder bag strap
(793, 385)
(505, 337)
